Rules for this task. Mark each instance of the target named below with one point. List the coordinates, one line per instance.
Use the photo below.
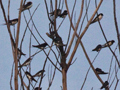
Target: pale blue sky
(77, 71)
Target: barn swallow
(12, 22)
(64, 14)
(98, 48)
(40, 46)
(58, 12)
(109, 43)
(37, 88)
(57, 41)
(27, 6)
(29, 76)
(20, 52)
(99, 71)
(38, 74)
(27, 62)
(97, 18)
(105, 85)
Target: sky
(78, 70)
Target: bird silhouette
(40, 46)
(105, 85)
(38, 74)
(98, 48)
(27, 62)
(58, 12)
(20, 52)
(29, 76)
(109, 43)
(12, 22)
(97, 18)
(99, 71)
(64, 14)
(37, 88)
(27, 6)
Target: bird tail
(93, 50)
(92, 22)
(34, 80)
(101, 87)
(105, 72)
(34, 46)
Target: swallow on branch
(97, 18)
(99, 71)
(105, 85)
(29, 76)
(40, 46)
(38, 74)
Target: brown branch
(79, 38)
(16, 48)
(81, 12)
(109, 46)
(84, 17)
(88, 72)
(91, 63)
(116, 24)
(51, 79)
(70, 44)
(27, 25)
(11, 76)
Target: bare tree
(63, 52)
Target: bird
(97, 18)
(58, 12)
(109, 43)
(12, 22)
(37, 88)
(58, 42)
(38, 74)
(40, 46)
(52, 34)
(98, 48)
(20, 52)
(64, 14)
(27, 6)
(99, 71)
(105, 85)
(29, 76)
(52, 17)
(26, 62)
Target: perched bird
(29, 76)
(58, 42)
(38, 74)
(52, 17)
(58, 12)
(37, 88)
(97, 18)
(98, 48)
(20, 52)
(99, 71)
(105, 85)
(40, 46)
(109, 43)
(64, 14)
(12, 22)
(26, 62)
(27, 6)
(52, 34)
